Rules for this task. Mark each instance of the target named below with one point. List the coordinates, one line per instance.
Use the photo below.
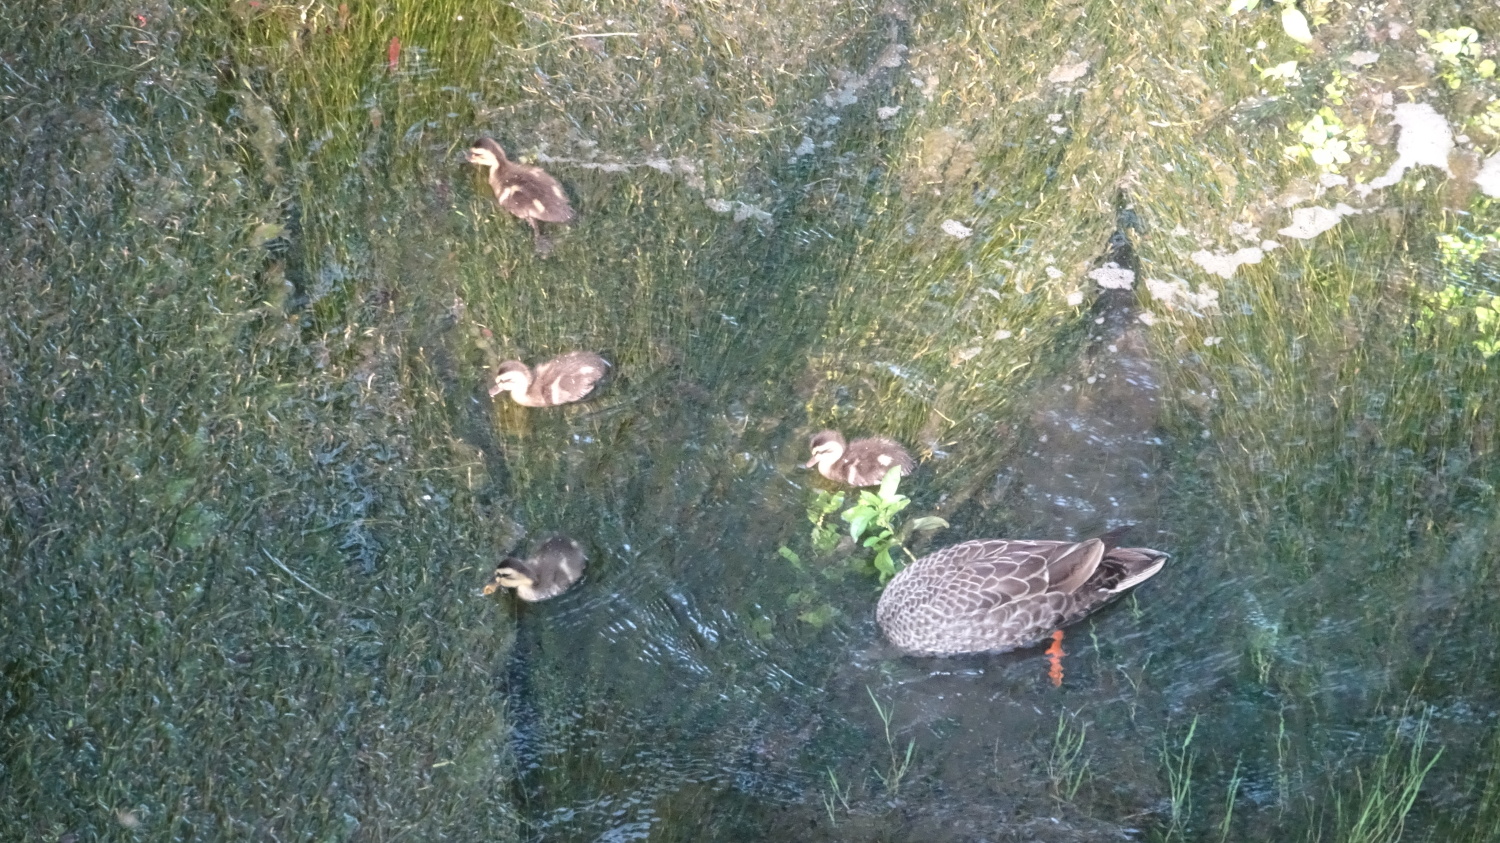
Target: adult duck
(993, 595)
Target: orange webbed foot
(1055, 654)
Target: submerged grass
(1177, 763)
(1068, 767)
(254, 295)
(900, 763)
(237, 508)
(1375, 808)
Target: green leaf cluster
(1457, 308)
(1458, 52)
(872, 522)
(874, 531)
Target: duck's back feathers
(569, 377)
(530, 193)
(556, 565)
(994, 595)
(863, 462)
(526, 191)
(866, 461)
(562, 380)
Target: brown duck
(526, 191)
(863, 462)
(555, 566)
(993, 595)
(561, 380)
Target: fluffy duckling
(526, 191)
(561, 380)
(863, 462)
(994, 595)
(553, 569)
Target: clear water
(792, 216)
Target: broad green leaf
(859, 523)
(889, 483)
(926, 522)
(819, 617)
(1295, 24)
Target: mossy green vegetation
(240, 517)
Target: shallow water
(874, 217)
(676, 692)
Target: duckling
(561, 380)
(863, 462)
(526, 191)
(556, 565)
(993, 595)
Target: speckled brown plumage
(529, 192)
(556, 565)
(993, 595)
(863, 462)
(561, 380)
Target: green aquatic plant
(872, 524)
(825, 536)
(1456, 307)
(1486, 125)
(1458, 253)
(1326, 141)
(872, 528)
(871, 521)
(1337, 87)
(1178, 763)
(838, 798)
(1068, 767)
(1458, 52)
(1375, 809)
(900, 763)
(873, 531)
(1231, 793)
(1487, 321)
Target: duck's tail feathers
(1152, 560)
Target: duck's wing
(879, 453)
(572, 376)
(1000, 571)
(533, 193)
(1124, 568)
